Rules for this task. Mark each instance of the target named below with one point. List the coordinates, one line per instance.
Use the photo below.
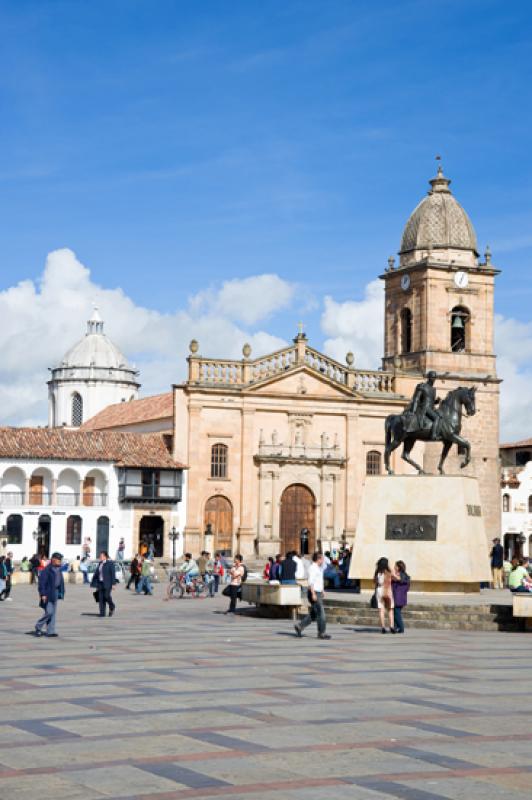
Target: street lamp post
(173, 535)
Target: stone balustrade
(246, 372)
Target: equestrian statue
(422, 421)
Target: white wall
(96, 396)
(518, 520)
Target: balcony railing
(299, 452)
(12, 498)
(142, 493)
(69, 499)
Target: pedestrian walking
(237, 574)
(400, 587)
(34, 563)
(84, 569)
(497, 561)
(121, 550)
(315, 597)
(3, 576)
(51, 590)
(134, 572)
(144, 584)
(383, 592)
(103, 580)
(8, 569)
(217, 572)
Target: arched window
(406, 330)
(506, 502)
(77, 410)
(14, 529)
(373, 463)
(73, 530)
(219, 461)
(459, 329)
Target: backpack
(245, 575)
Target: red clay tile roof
(126, 449)
(522, 443)
(158, 406)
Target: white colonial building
(516, 500)
(93, 374)
(60, 486)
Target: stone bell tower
(439, 316)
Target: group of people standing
(390, 596)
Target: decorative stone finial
(487, 255)
(246, 350)
(193, 346)
(440, 183)
(350, 359)
(391, 263)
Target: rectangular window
(219, 461)
(73, 532)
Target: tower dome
(95, 349)
(92, 375)
(439, 222)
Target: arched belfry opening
(406, 331)
(460, 322)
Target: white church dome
(439, 222)
(95, 349)
(93, 374)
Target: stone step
(416, 614)
(461, 618)
(479, 608)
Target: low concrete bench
(522, 609)
(272, 599)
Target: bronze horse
(397, 427)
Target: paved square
(175, 700)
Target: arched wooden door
(219, 515)
(298, 512)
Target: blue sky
(177, 145)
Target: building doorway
(298, 519)
(102, 535)
(219, 515)
(44, 529)
(513, 545)
(151, 535)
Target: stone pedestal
(433, 524)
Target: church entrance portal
(219, 515)
(151, 532)
(298, 519)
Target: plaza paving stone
(171, 700)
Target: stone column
(247, 531)
(353, 479)
(193, 532)
(276, 509)
(53, 498)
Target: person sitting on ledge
(517, 576)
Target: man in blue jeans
(51, 589)
(315, 598)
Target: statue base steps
(432, 523)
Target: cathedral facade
(278, 447)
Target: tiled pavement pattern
(174, 700)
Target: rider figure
(189, 569)
(423, 402)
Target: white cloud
(41, 320)
(248, 300)
(513, 345)
(356, 326)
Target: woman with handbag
(383, 593)
(237, 573)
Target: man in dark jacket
(288, 570)
(51, 589)
(103, 580)
(497, 558)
